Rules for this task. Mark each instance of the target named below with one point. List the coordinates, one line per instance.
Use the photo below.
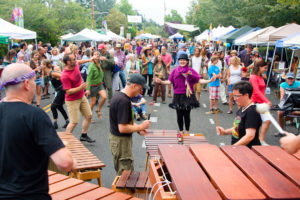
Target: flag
(17, 16)
(104, 23)
(209, 33)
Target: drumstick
(217, 119)
(150, 109)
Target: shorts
(39, 82)
(264, 117)
(230, 88)
(75, 106)
(214, 92)
(95, 90)
(198, 87)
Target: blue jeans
(142, 109)
(123, 78)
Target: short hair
(33, 53)
(244, 87)
(214, 58)
(67, 58)
(257, 64)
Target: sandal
(99, 114)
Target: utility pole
(93, 16)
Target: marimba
(132, 182)
(153, 138)
(62, 187)
(230, 172)
(87, 165)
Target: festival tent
(87, 35)
(279, 33)
(231, 37)
(176, 36)
(251, 37)
(114, 36)
(147, 36)
(293, 41)
(220, 31)
(202, 36)
(15, 32)
(66, 36)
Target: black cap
(183, 56)
(138, 79)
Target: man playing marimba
(122, 125)
(27, 139)
(245, 130)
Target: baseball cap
(118, 45)
(138, 79)
(290, 75)
(101, 46)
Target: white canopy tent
(251, 38)
(147, 36)
(279, 33)
(66, 36)
(202, 36)
(183, 27)
(87, 35)
(216, 33)
(176, 36)
(114, 36)
(15, 32)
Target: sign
(134, 19)
(122, 31)
(281, 65)
(128, 36)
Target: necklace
(250, 104)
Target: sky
(154, 9)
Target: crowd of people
(122, 74)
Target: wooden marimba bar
(87, 165)
(62, 187)
(230, 172)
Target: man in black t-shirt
(27, 139)
(245, 130)
(122, 125)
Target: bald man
(27, 139)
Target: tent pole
(239, 49)
(36, 47)
(271, 67)
(286, 55)
(291, 60)
(267, 53)
(281, 54)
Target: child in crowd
(214, 86)
(139, 107)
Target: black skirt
(182, 102)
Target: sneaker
(229, 112)
(169, 96)
(211, 111)
(66, 124)
(279, 134)
(163, 102)
(87, 139)
(263, 143)
(55, 125)
(144, 116)
(137, 116)
(217, 110)
(225, 103)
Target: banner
(134, 19)
(18, 17)
(209, 35)
(122, 31)
(104, 24)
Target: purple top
(138, 50)
(121, 59)
(178, 80)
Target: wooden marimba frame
(229, 172)
(87, 165)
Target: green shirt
(109, 63)
(95, 75)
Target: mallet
(150, 109)
(264, 109)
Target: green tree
(125, 7)
(115, 19)
(174, 16)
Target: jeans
(142, 109)
(123, 78)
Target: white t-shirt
(235, 74)
(196, 63)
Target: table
(62, 187)
(87, 166)
(204, 171)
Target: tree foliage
(115, 19)
(174, 16)
(255, 13)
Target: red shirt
(259, 86)
(166, 59)
(72, 79)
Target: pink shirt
(167, 58)
(259, 86)
(72, 79)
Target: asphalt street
(162, 117)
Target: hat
(138, 79)
(183, 56)
(118, 45)
(101, 46)
(290, 75)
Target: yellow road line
(44, 108)
(47, 110)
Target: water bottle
(268, 90)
